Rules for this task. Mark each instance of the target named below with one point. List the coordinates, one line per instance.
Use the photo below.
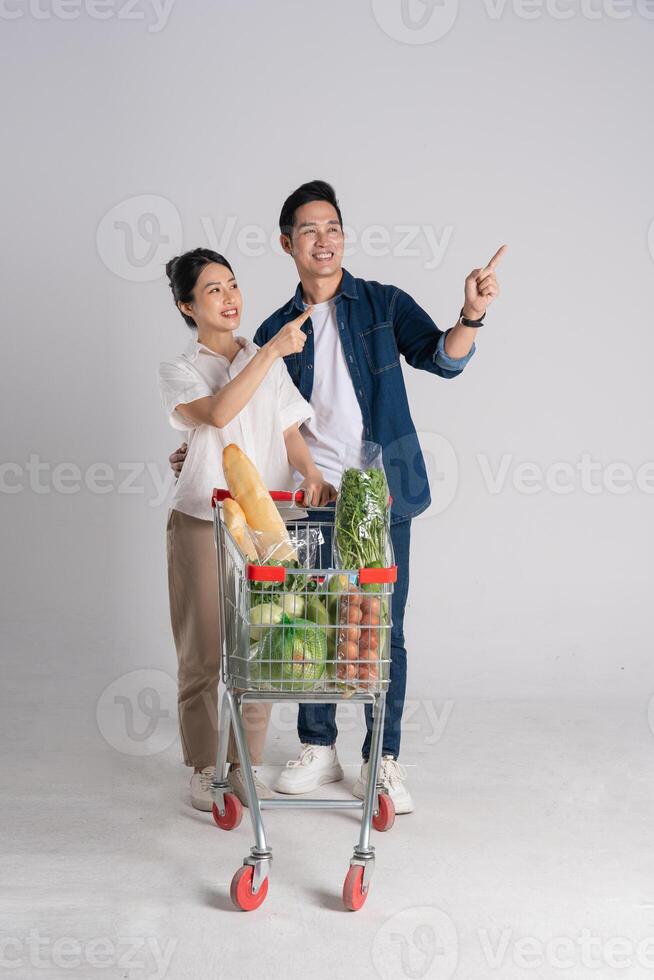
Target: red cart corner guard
(219, 495)
(266, 573)
(377, 576)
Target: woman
(222, 389)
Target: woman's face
(217, 300)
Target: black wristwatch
(471, 323)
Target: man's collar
(348, 288)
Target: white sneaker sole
(333, 776)
(359, 790)
(205, 805)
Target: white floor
(533, 822)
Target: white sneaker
(201, 797)
(315, 765)
(391, 776)
(236, 781)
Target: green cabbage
(291, 656)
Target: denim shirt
(377, 323)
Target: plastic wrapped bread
(237, 526)
(249, 491)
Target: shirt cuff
(298, 412)
(450, 363)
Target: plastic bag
(305, 540)
(362, 517)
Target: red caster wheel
(233, 813)
(241, 892)
(385, 816)
(353, 895)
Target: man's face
(316, 242)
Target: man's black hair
(315, 190)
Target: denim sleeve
(260, 336)
(420, 341)
(451, 363)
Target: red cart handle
(297, 497)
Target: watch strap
(467, 322)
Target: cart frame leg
(261, 853)
(364, 853)
(219, 784)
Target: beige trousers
(195, 617)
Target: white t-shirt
(258, 428)
(336, 422)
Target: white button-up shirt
(258, 428)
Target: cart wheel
(233, 813)
(241, 892)
(385, 816)
(353, 895)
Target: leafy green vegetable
(360, 525)
(271, 591)
(291, 656)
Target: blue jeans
(316, 723)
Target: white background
(517, 125)
(524, 123)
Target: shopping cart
(313, 657)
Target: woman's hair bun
(170, 266)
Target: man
(349, 370)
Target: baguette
(237, 527)
(249, 491)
